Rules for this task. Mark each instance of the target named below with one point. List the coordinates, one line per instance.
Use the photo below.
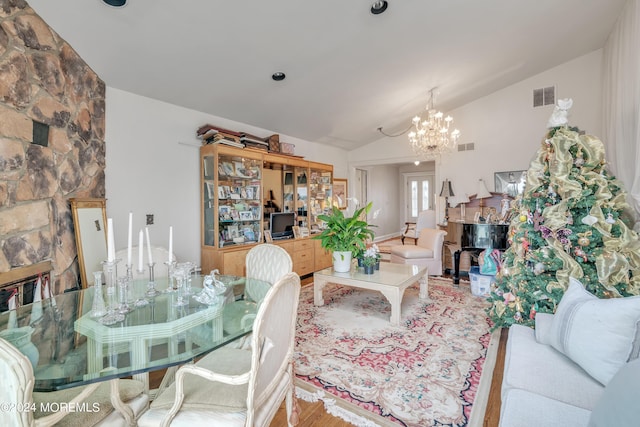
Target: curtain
(621, 101)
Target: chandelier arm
(396, 135)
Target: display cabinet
(239, 186)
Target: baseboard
(387, 237)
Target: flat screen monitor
(281, 225)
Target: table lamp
(483, 193)
(463, 200)
(446, 192)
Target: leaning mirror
(511, 182)
(89, 219)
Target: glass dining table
(68, 347)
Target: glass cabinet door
(209, 199)
(288, 189)
(320, 197)
(302, 195)
(239, 200)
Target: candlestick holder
(181, 274)
(141, 301)
(98, 308)
(110, 274)
(123, 306)
(171, 282)
(130, 296)
(151, 286)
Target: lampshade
(446, 191)
(483, 193)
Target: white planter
(341, 261)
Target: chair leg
(402, 239)
(291, 402)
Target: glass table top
(388, 274)
(68, 347)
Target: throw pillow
(597, 334)
(618, 405)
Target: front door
(419, 194)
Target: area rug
(425, 372)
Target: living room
(151, 152)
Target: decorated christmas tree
(571, 220)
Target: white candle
(140, 249)
(111, 251)
(170, 244)
(146, 230)
(130, 238)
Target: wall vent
(544, 96)
(466, 147)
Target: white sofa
(550, 373)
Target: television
(281, 225)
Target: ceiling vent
(544, 96)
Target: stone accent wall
(43, 79)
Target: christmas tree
(571, 220)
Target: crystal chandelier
(431, 137)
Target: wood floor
(314, 415)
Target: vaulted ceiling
(348, 71)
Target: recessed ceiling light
(378, 7)
(278, 76)
(115, 3)
(417, 163)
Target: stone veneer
(43, 79)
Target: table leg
(424, 286)
(318, 285)
(139, 358)
(394, 297)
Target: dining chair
(266, 263)
(29, 409)
(238, 387)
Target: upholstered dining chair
(267, 263)
(237, 387)
(426, 219)
(427, 251)
(16, 392)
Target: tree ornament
(580, 253)
(538, 269)
(589, 220)
(583, 241)
(610, 219)
(569, 218)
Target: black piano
(478, 237)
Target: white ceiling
(348, 71)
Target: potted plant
(343, 235)
(369, 260)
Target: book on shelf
(204, 129)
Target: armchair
(237, 387)
(426, 219)
(17, 392)
(427, 251)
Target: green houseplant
(344, 235)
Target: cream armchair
(16, 392)
(426, 219)
(237, 387)
(427, 251)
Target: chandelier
(431, 137)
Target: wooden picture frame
(296, 232)
(267, 236)
(340, 193)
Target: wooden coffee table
(391, 280)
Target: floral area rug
(424, 372)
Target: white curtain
(621, 100)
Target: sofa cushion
(411, 252)
(521, 408)
(543, 328)
(597, 334)
(541, 369)
(619, 403)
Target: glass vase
(98, 308)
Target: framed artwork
(246, 216)
(296, 232)
(267, 236)
(511, 182)
(340, 193)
